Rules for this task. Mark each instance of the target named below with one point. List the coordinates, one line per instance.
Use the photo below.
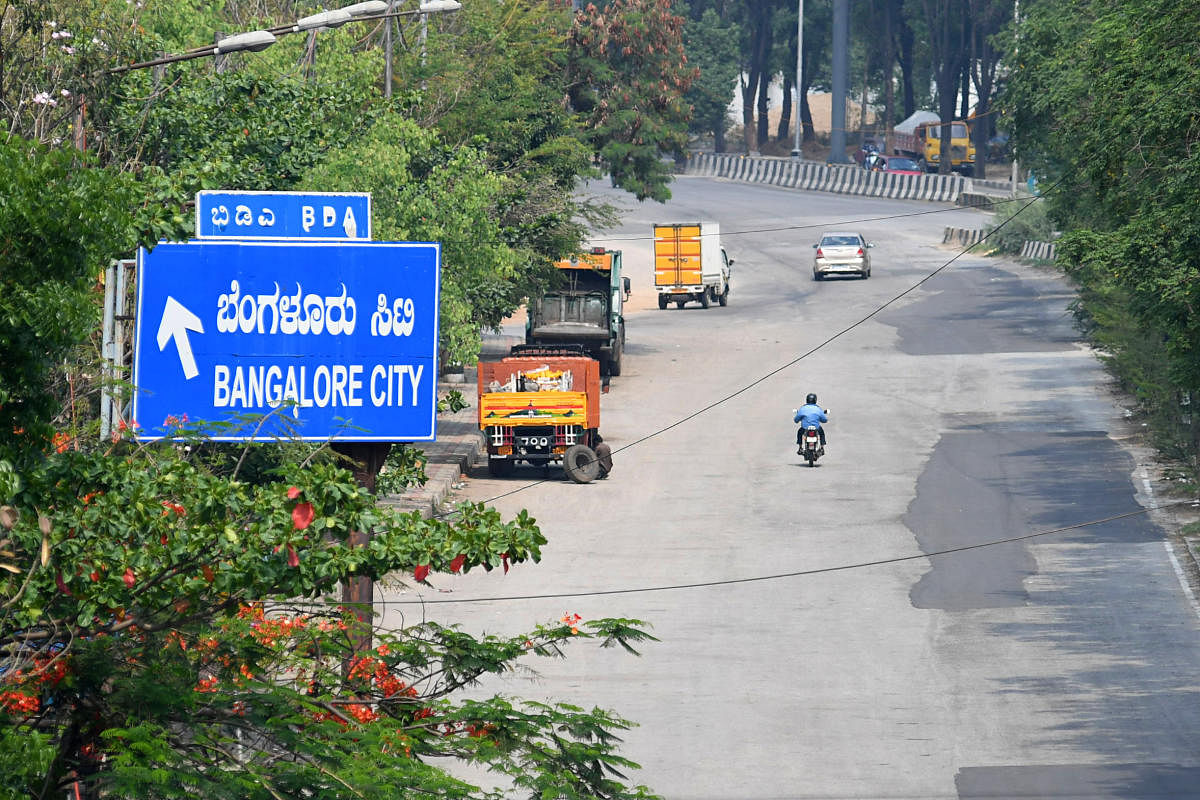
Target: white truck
(690, 264)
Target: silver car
(840, 253)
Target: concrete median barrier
(812, 176)
(1042, 251)
(962, 236)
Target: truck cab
(585, 308)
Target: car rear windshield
(839, 241)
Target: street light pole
(387, 54)
(796, 151)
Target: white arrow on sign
(176, 322)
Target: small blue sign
(317, 340)
(329, 216)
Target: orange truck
(541, 405)
(690, 264)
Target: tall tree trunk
(749, 92)
(889, 66)
(983, 75)
(759, 19)
(785, 111)
(964, 107)
(763, 133)
(946, 43)
(904, 33)
(862, 108)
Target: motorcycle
(810, 445)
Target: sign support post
(358, 593)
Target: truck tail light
(500, 435)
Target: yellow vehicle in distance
(920, 137)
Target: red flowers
(302, 516)
(12, 701)
(571, 621)
(293, 559)
(457, 563)
(168, 507)
(421, 572)
(129, 578)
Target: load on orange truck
(541, 405)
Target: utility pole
(841, 75)
(387, 52)
(797, 153)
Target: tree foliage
(168, 617)
(171, 632)
(628, 74)
(1103, 105)
(712, 46)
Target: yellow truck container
(690, 264)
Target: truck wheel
(501, 467)
(614, 361)
(704, 299)
(723, 297)
(662, 302)
(580, 463)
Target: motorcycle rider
(808, 415)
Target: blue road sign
(283, 215)
(317, 340)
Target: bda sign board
(317, 340)
(342, 216)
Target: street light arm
(255, 41)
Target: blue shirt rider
(808, 415)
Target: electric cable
(792, 574)
(742, 390)
(1046, 192)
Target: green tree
(424, 190)
(170, 629)
(1102, 106)
(712, 46)
(48, 305)
(628, 74)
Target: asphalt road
(962, 413)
